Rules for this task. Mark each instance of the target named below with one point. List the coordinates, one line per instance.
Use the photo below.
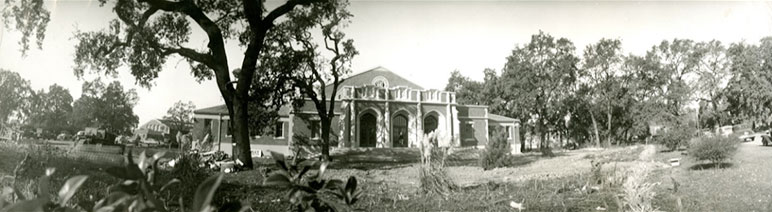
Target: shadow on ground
(704, 166)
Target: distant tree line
(606, 97)
(104, 106)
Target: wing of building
(374, 109)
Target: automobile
(762, 137)
(63, 136)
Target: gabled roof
(366, 78)
(214, 110)
(498, 118)
(223, 110)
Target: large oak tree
(147, 32)
(537, 75)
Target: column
(419, 119)
(386, 141)
(516, 146)
(353, 142)
(449, 123)
(291, 132)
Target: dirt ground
(533, 166)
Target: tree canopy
(108, 107)
(537, 75)
(180, 116)
(51, 109)
(15, 92)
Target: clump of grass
(637, 193)
(434, 178)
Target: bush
(497, 152)
(675, 137)
(715, 149)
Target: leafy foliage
(180, 115)
(43, 201)
(307, 188)
(675, 136)
(715, 149)
(316, 75)
(602, 66)
(147, 33)
(30, 18)
(748, 92)
(106, 106)
(52, 109)
(537, 76)
(15, 91)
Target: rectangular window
(229, 132)
(316, 129)
(278, 130)
(509, 132)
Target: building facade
(373, 109)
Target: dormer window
(380, 81)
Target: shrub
(715, 149)
(675, 137)
(497, 152)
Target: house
(374, 109)
(154, 129)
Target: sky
(420, 40)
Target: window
(316, 130)
(229, 133)
(380, 81)
(509, 132)
(278, 130)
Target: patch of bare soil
(569, 163)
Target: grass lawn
(742, 184)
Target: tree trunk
(325, 145)
(608, 112)
(544, 144)
(595, 129)
(522, 138)
(241, 132)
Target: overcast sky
(421, 40)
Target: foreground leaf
(70, 187)
(205, 192)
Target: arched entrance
(367, 130)
(399, 131)
(430, 124)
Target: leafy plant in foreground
(307, 189)
(43, 201)
(141, 191)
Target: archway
(367, 130)
(399, 133)
(430, 124)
